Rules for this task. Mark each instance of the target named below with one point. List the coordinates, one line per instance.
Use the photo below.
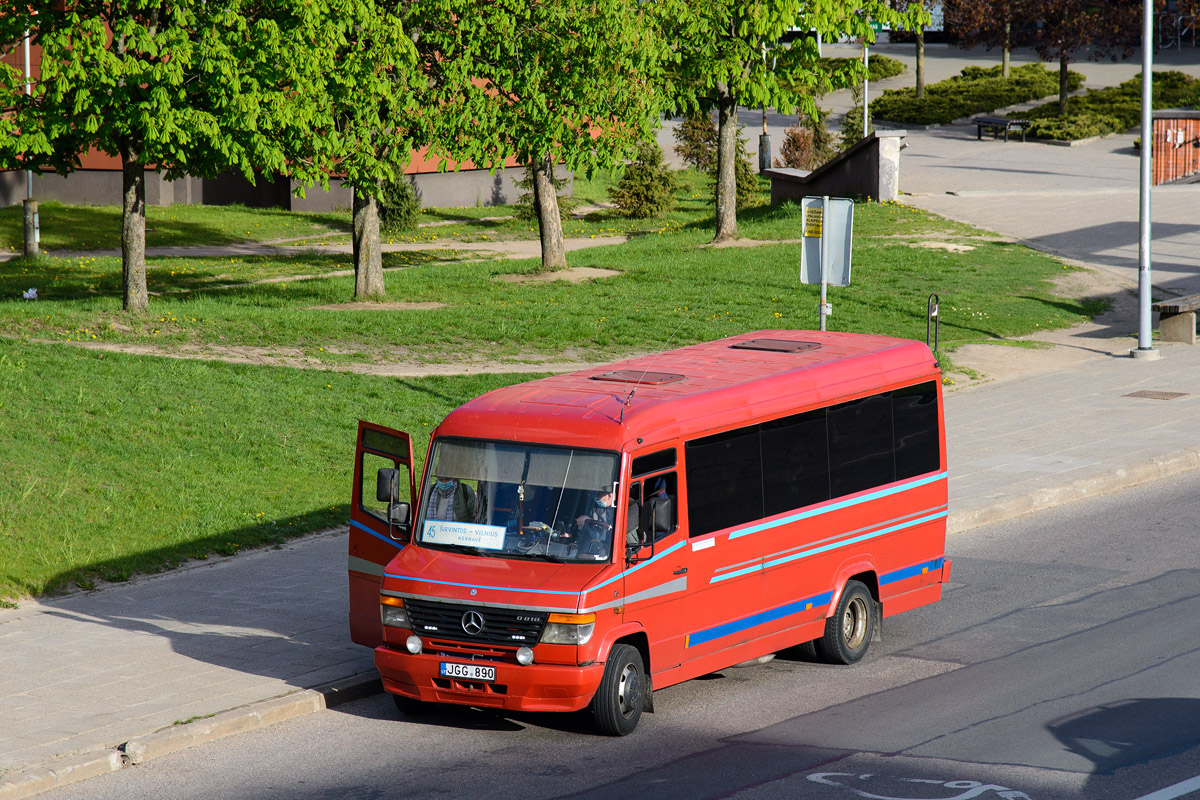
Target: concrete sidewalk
(85, 681)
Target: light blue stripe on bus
(634, 569)
(761, 618)
(853, 501)
(474, 585)
(379, 536)
(826, 548)
(911, 572)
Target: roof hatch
(775, 345)
(638, 376)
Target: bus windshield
(510, 500)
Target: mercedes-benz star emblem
(472, 623)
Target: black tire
(848, 632)
(618, 703)
(410, 706)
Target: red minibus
(582, 539)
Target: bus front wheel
(617, 706)
(848, 632)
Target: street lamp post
(1145, 348)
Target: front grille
(501, 626)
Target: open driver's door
(380, 521)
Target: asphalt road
(1064, 662)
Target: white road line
(1178, 790)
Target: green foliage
(976, 90)
(879, 66)
(1113, 109)
(399, 207)
(647, 189)
(526, 207)
(749, 185)
(696, 140)
(852, 122)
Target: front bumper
(537, 687)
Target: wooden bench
(998, 124)
(1177, 319)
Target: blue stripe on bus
(379, 536)
(474, 585)
(826, 548)
(911, 572)
(839, 505)
(761, 618)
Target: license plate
(470, 672)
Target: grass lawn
(78, 228)
(116, 464)
(119, 463)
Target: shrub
(1112, 109)
(696, 141)
(796, 151)
(852, 123)
(399, 207)
(526, 209)
(647, 189)
(975, 90)
(748, 184)
(878, 67)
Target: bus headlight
(393, 613)
(569, 629)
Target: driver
(452, 500)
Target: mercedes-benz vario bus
(583, 539)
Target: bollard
(931, 315)
(32, 233)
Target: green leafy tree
(187, 87)
(575, 82)
(721, 46)
(369, 91)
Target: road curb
(140, 749)
(1122, 478)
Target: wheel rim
(854, 623)
(629, 691)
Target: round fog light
(414, 644)
(524, 656)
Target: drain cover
(1151, 394)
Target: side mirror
(398, 514)
(387, 486)
(658, 516)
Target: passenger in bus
(452, 500)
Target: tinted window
(915, 419)
(860, 445)
(795, 458)
(724, 480)
(644, 465)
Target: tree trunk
(545, 198)
(920, 61)
(727, 130)
(1062, 84)
(1007, 57)
(368, 252)
(134, 294)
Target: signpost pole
(824, 272)
(1145, 348)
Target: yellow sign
(812, 222)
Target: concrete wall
(870, 168)
(103, 187)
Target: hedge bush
(975, 90)
(647, 189)
(878, 67)
(1113, 109)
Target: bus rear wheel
(618, 703)
(848, 632)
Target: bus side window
(664, 487)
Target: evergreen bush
(749, 186)
(399, 206)
(647, 189)
(696, 141)
(526, 208)
(796, 152)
